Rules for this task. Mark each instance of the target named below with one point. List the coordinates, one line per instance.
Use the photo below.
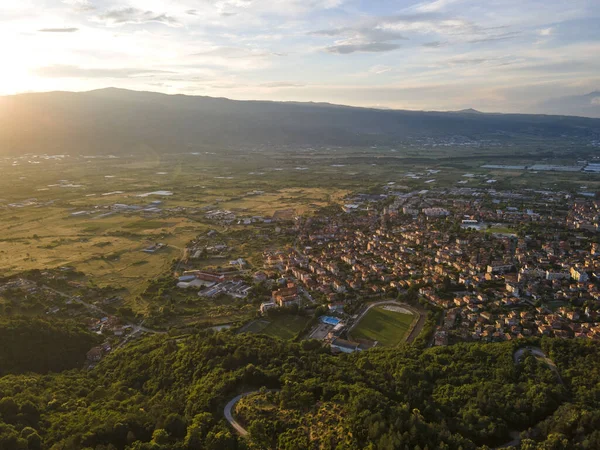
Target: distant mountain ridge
(121, 121)
(470, 111)
(587, 105)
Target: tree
(34, 441)
(221, 439)
(9, 409)
(176, 426)
(160, 436)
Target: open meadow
(98, 213)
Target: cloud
(330, 32)
(238, 52)
(369, 47)
(58, 30)
(466, 61)
(67, 71)
(380, 34)
(434, 44)
(122, 16)
(281, 84)
(497, 37)
(371, 37)
(545, 31)
(595, 101)
(80, 5)
(436, 5)
(379, 69)
(429, 23)
(370, 33)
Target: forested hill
(165, 393)
(119, 121)
(38, 345)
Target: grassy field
(282, 327)
(388, 328)
(61, 211)
(286, 327)
(38, 229)
(501, 230)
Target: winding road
(537, 352)
(229, 408)
(517, 357)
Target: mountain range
(121, 121)
(587, 105)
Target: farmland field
(98, 214)
(387, 327)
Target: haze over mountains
(587, 105)
(121, 121)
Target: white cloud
(80, 5)
(122, 16)
(379, 69)
(434, 6)
(340, 51)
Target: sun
(15, 75)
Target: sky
(501, 55)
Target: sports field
(387, 327)
(283, 327)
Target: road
(229, 406)
(228, 411)
(416, 329)
(516, 440)
(306, 294)
(537, 352)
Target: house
(339, 286)
(207, 276)
(440, 338)
(95, 354)
(259, 276)
(264, 307)
(286, 296)
(435, 212)
(336, 307)
(499, 267)
(579, 275)
(344, 346)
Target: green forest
(164, 392)
(42, 346)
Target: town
(500, 265)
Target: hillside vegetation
(165, 393)
(42, 346)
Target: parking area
(321, 331)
